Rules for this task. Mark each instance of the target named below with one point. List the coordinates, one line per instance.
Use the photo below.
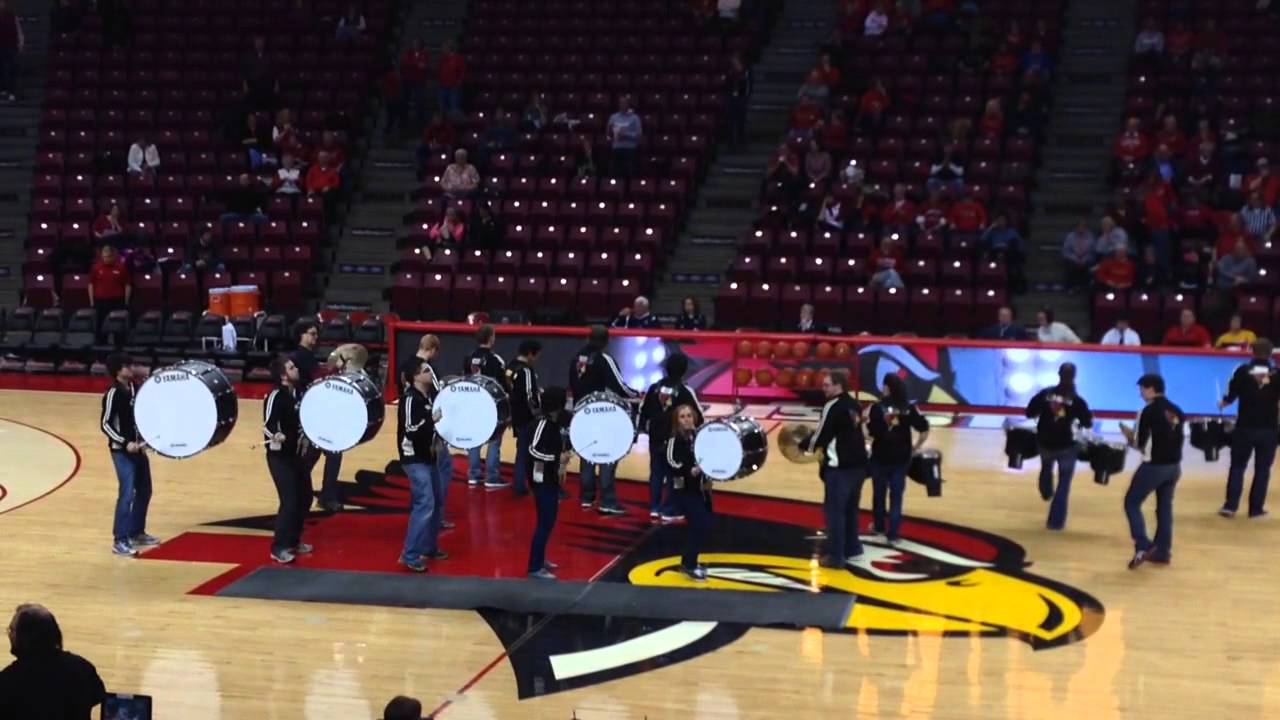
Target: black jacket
(691, 322)
(1160, 423)
(280, 415)
(117, 416)
(890, 426)
(526, 396)
(1054, 413)
(1258, 403)
(548, 442)
(1005, 332)
(594, 370)
(840, 433)
(307, 364)
(655, 412)
(631, 321)
(415, 430)
(681, 463)
(486, 362)
(50, 686)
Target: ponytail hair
(897, 389)
(1067, 379)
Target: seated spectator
(901, 212)
(782, 178)
(805, 118)
(932, 216)
(1202, 169)
(991, 124)
(817, 164)
(244, 202)
(1150, 40)
(1077, 254)
(967, 215)
(885, 262)
(256, 142)
(460, 179)
(202, 254)
(322, 176)
(284, 136)
(1004, 329)
(829, 215)
(144, 158)
(449, 232)
(1002, 241)
(1163, 163)
(536, 115)
(877, 22)
(289, 177)
(1149, 270)
(1171, 136)
(815, 89)
(1036, 65)
(872, 106)
(1050, 330)
(947, 170)
(1237, 267)
(1132, 146)
(1236, 337)
(1027, 117)
(636, 316)
(1121, 334)
(1192, 268)
(831, 74)
(1258, 220)
(402, 708)
(691, 317)
(1187, 333)
(1111, 238)
(329, 143)
(351, 25)
(1117, 271)
(1264, 182)
(44, 681)
(834, 132)
(806, 323)
(584, 158)
(107, 228)
(1230, 235)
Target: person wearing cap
(1254, 436)
(1158, 438)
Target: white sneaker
(284, 557)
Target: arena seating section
(784, 262)
(1241, 97)
(576, 246)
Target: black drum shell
(926, 469)
(1020, 444)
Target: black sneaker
(696, 574)
(832, 563)
(1254, 515)
(612, 510)
(1159, 559)
(1139, 557)
(438, 555)
(414, 565)
(143, 539)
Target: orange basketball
(842, 351)
(804, 379)
(764, 349)
(824, 350)
(742, 376)
(782, 350)
(764, 377)
(786, 377)
(800, 349)
(744, 348)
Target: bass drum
(185, 409)
(340, 412)
(473, 410)
(602, 430)
(730, 448)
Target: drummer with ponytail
(692, 489)
(1058, 410)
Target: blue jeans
(523, 465)
(133, 470)
(888, 482)
(608, 496)
(696, 509)
(1246, 442)
(450, 100)
(842, 491)
(1147, 479)
(659, 479)
(1066, 462)
(492, 466)
(425, 511)
(444, 470)
(546, 497)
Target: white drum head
(468, 413)
(601, 432)
(334, 416)
(175, 413)
(718, 451)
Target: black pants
(696, 508)
(294, 491)
(546, 499)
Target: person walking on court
(843, 469)
(655, 420)
(692, 490)
(1159, 426)
(526, 404)
(592, 370)
(484, 361)
(1057, 411)
(282, 432)
(890, 423)
(549, 455)
(416, 443)
(1254, 385)
(128, 456)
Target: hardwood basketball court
(956, 628)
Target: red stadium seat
(731, 304)
(406, 294)
(891, 310)
(468, 295)
(1107, 307)
(562, 292)
(499, 292)
(923, 313)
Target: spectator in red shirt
(804, 118)
(1195, 220)
(968, 215)
(932, 216)
(991, 124)
(871, 106)
(109, 284)
(452, 73)
(834, 133)
(1264, 182)
(107, 228)
(323, 180)
(1171, 136)
(900, 213)
(414, 63)
(1229, 235)
(329, 144)
(1117, 271)
(1132, 146)
(829, 73)
(1188, 332)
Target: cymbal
(793, 439)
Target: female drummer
(890, 422)
(1056, 410)
(550, 455)
(283, 433)
(692, 489)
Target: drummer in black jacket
(416, 441)
(282, 434)
(304, 359)
(655, 420)
(526, 404)
(593, 369)
(1159, 424)
(428, 349)
(843, 470)
(1057, 410)
(1253, 384)
(549, 453)
(890, 423)
(692, 489)
(484, 361)
(133, 469)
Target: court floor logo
(46, 462)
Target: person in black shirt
(691, 317)
(692, 489)
(304, 359)
(1057, 410)
(244, 202)
(1255, 431)
(1160, 425)
(549, 452)
(655, 420)
(525, 407)
(416, 440)
(843, 470)
(282, 433)
(890, 422)
(593, 369)
(484, 361)
(45, 681)
(133, 469)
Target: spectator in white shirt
(144, 158)
(1121, 334)
(1150, 40)
(1049, 330)
(877, 21)
(1112, 236)
(289, 176)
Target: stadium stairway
(1088, 98)
(19, 123)
(728, 201)
(362, 267)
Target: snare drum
(926, 469)
(184, 409)
(473, 410)
(602, 430)
(339, 412)
(1020, 443)
(730, 448)
(1210, 435)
